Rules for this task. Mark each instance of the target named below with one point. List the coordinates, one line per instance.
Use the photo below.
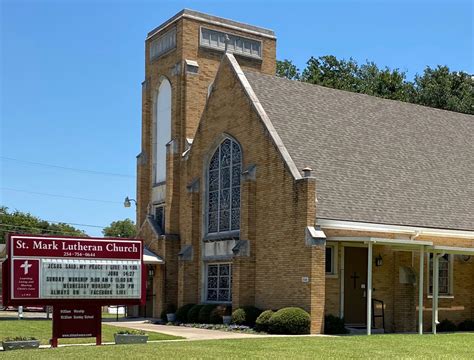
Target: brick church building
(258, 190)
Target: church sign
(68, 268)
(76, 276)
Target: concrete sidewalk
(188, 333)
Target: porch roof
(150, 258)
(406, 244)
(382, 241)
(451, 250)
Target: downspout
(434, 318)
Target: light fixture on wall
(128, 202)
(379, 260)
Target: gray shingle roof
(375, 160)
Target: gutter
(393, 229)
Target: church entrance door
(355, 280)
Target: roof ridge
(382, 99)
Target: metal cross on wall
(355, 277)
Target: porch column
(420, 291)
(369, 288)
(434, 315)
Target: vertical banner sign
(25, 279)
(75, 275)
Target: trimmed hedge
(217, 314)
(263, 321)
(466, 325)
(193, 313)
(334, 325)
(290, 320)
(238, 316)
(182, 313)
(205, 313)
(446, 326)
(246, 315)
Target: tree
(287, 69)
(439, 87)
(444, 89)
(385, 83)
(25, 223)
(120, 228)
(331, 72)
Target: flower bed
(19, 343)
(131, 337)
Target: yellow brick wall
(271, 277)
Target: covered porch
(394, 283)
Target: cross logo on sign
(26, 267)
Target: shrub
(182, 313)
(205, 313)
(263, 321)
(238, 316)
(20, 338)
(171, 309)
(246, 315)
(290, 320)
(131, 332)
(217, 314)
(168, 309)
(466, 325)
(163, 315)
(334, 325)
(193, 313)
(446, 326)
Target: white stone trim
(264, 117)
(208, 21)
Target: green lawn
(112, 316)
(447, 346)
(42, 330)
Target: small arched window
(162, 135)
(223, 188)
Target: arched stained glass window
(223, 188)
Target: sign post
(76, 276)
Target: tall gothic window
(162, 131)
(223, 188)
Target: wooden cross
(355, 277)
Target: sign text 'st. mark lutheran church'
(75, 246)
(258, 190)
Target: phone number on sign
(78, 254)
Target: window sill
(441, 296)
(217, 302)
(332, 276)
(227, 235)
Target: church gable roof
(375, 160)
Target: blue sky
(71, 73)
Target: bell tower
(182, 56)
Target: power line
(60, 196)
(57, 222)
(37, 228)
(67, 168)
(76, 224)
